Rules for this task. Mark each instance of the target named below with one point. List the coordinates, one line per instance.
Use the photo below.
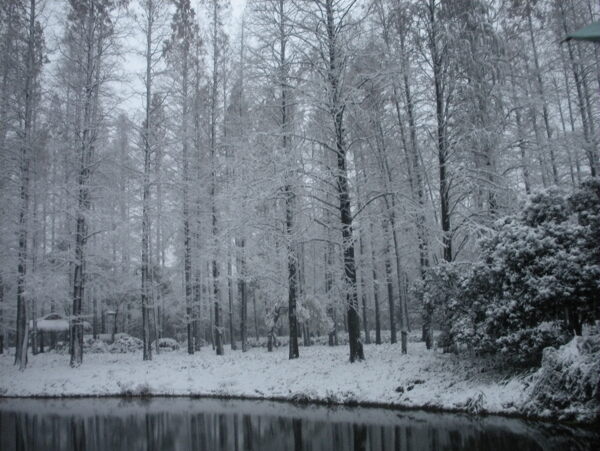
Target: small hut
(56, 326)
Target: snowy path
(321, 374)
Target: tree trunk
(147, 350)
(213, 186)
(520, 135)
(242, 287)
(230, 290)
(271, 337)
(294, 352)
(541, 91)
(337, 115)
(26, 149)
(364, 294)
(591, 148)
(2, 330)
(375, 288)
(187, 257)
(441, 138)
(390, 287)
(255, 314)
(283, 63)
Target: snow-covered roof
(54, 322)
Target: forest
(290, 173)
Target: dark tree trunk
(187, 244)
(196, 316)
(145, 270)
(114, 328)
(95, 317)
(230, 292)
(306, 335)
(375, 289)
(364, 294)
(587, 121)
(271, 337)
(213, 185)
(390, 288)
(440, 86)
(218, 327)
(332, 333)
(337, 109)
(441, 128)
(294, 352)
(147, 350)
(255, 314)
(1, 315)
(78, 284)
(543, 97)
(22, 321)
(242, 287)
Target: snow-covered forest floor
(321, 374)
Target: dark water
(217, 425)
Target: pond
(236, 425)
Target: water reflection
(214, 425)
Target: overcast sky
(130, 90)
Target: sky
(53, 15)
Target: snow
(419, 379)
(51, 325)
(567, 385)
(54, 322)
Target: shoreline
(323, 403)
(431, 382)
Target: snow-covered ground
(419, 379)
(321, 373)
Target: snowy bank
(420, 379)
(567, 385)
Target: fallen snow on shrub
(94, 346)
(166, 344)
(125, 343)
(567, 386)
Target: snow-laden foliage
(534, 285)
(568, 383)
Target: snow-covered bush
(125, 343)
(534, 285)
(568, 383)
(547, 275)
(94, 346)
(166, 344)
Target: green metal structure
(588, 33)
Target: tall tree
(151, 24)
(30, 73)
(330, 22)
(218, 39)
(90, 36)
(184, 33)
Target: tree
(274, 19)
(218, 39)
(330, 22)
(31, 72)
(184, 33)
(152, 21)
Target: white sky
(53, 17)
